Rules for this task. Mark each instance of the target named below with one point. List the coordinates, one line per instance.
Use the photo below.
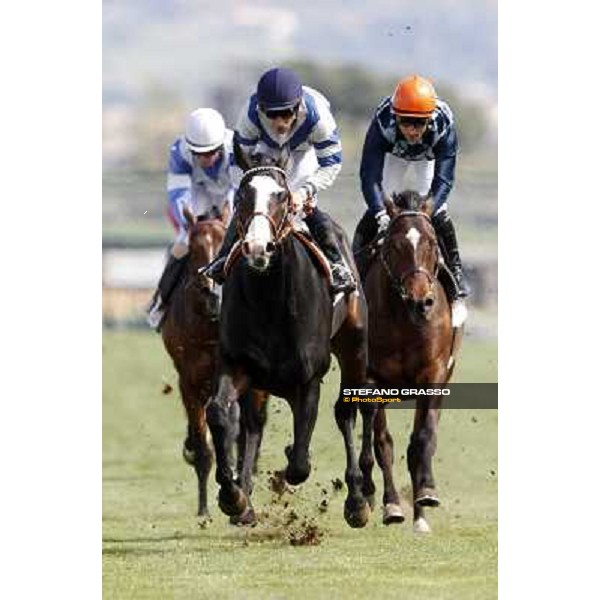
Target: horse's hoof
(392, 513)
(233, 503)
(421, 526)
(357, 517)
(189, 456)
(427, 497)
(295, 476)
(248, 517)
(370, 498)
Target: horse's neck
(291, 285)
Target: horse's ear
(428, 205)
(240, 159)
(189, 217)
(390, 205)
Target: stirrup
(342, 279)
(463, 289)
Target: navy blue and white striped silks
(315, 130)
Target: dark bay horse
(276, 335)
(190, 334)
(412, 341)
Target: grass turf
(155, 547)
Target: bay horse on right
(413, 340)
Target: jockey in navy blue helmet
(293, 125)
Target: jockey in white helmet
(199, 177)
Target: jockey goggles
(417, 122)
(208, 153)
(284, 113)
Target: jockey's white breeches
(400, 175)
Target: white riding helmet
(204, 130)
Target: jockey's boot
(446, 234)
(215, 270)
(321, 228)
(168, 280)
(365, 233)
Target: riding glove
(383, 221)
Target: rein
(399, 281)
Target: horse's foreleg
(262, 421)
(232, 500)
(241, 439)
(252, 426)
(421, 449)
(305, 406)
(356, 508)
(233, 433)
(196, 448)
(384, 452)
(366, 460)
(351, 350)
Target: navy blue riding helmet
(279, 89)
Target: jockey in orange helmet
(413, 128)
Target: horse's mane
(409, 200)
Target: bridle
(398, 282)
(278, 230)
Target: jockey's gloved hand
(383, 221)
(298, 199)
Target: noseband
(398, 283)
(278, 230)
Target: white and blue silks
(203, 191)
(311, 151)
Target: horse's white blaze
(413, 236)
(259, 231)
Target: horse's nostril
(270, 248)
(429, 302)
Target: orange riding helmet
(414, 96)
